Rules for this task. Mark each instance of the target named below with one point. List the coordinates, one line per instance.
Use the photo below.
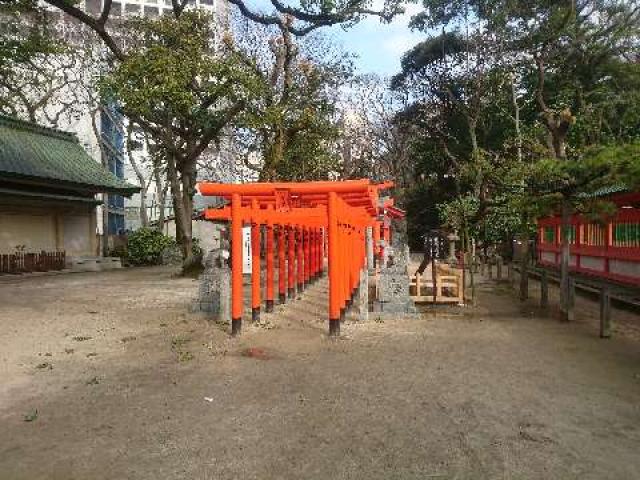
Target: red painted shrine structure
(609, 250)
(305, 224)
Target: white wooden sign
(246, 250)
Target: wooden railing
(448, 288)
(31, 262)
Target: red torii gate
(306, 216)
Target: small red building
(608, 250)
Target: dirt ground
(108, 376)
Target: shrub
(197, 250)
(145, 246)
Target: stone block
(214, 291)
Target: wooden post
(321, 251)
(544, 290)
(282, 265)
(605, 313)
(490, 269)
(308, 236)
(255, 264)
(334, 287)
(499, 268)
(300, 260)
(291, 262)
(434, 273)
(270, 264)
(236, 264)
(312, 255)
(318, 253)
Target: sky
(378, 46)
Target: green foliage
(292, 124)
(421, 203)
(173, 73)
(145, 246)
(182, 90)
(196, 249)
(561, 69)
(457, 213)
(24, 34)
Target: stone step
(92, 264)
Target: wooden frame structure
(448, 288)
(306, 223)
(608, 250)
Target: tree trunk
(274, 154)
(564, 259)
(516, 118)
(144, 218)
(475, 152)
(182, 205)
(524, 267)
(559, 136)
(161, 193)
(559, 145)
(188, 185)
(144, 183)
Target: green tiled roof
(606, 191)
(30, 151)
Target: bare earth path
(118, 372)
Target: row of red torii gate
(309, 225)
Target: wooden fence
(32, 262)
(606, 291)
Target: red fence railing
(32, 262)
(608, 249)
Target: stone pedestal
(393, 283)
(214, 294)
(361, 303)
(369, 244)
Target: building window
(116, 224)
(116, 9)
(549, 235)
